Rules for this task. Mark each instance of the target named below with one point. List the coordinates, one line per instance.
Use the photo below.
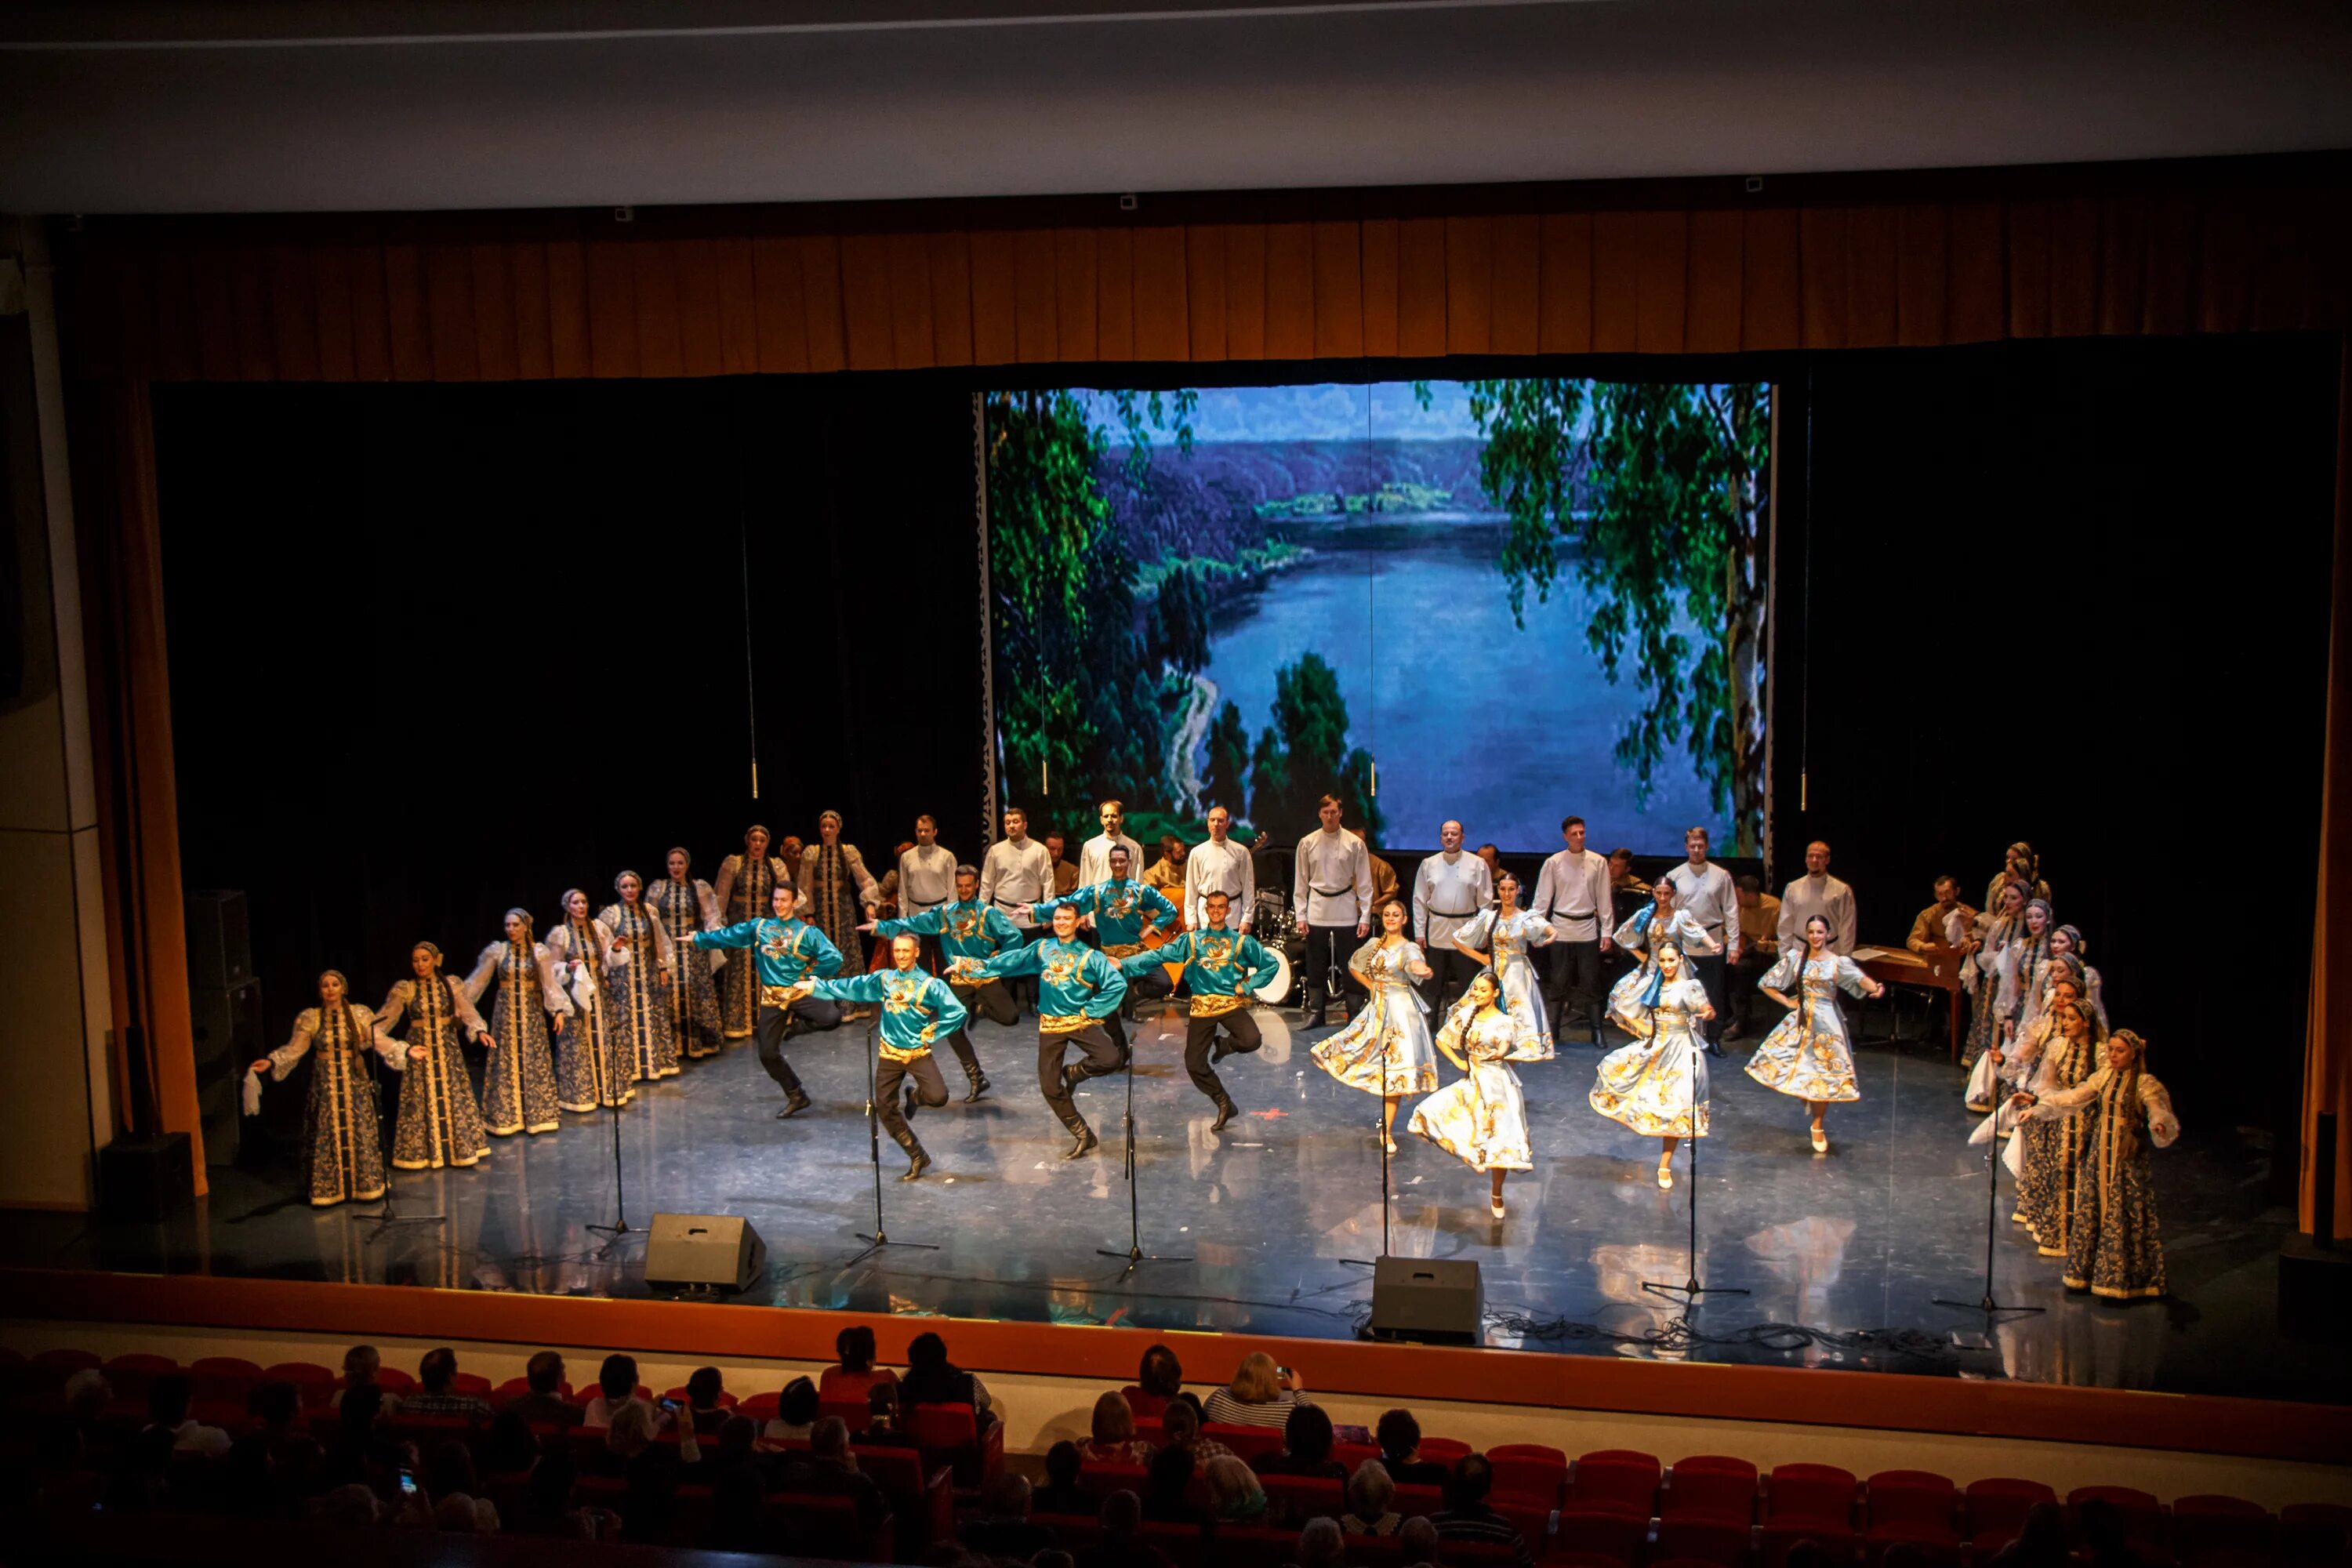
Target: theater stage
(1846, 1252)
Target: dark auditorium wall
(439, 649)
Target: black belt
(1456, 914)
(1332, 892)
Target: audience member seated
(361, 1453)
(736, 1445)
(704, 1391)
(1307, 1441)
(437, 1395)
(2040, 1540)
(1159, 1379)
(1261, 1394)
(1466, 1516)
(1399, 1435)
(829, 1469)
(616, 1388)
(1061, 1493)
(1417, 1537)
(295, 1458)
(360, 1366)
(932, 1379)
(510, 1447)
(167, 1411)
(796, 1412)
(1234, 1496)
(1369, 1493)
(1114, 1441)
(1180, 1425)
(634, 1426)
(882, 1426)
(87, 1395)
(1320, 1546)
(1121, 1543)
(1167, 1490)
(1005, 1529)
(449, 1480)
(856, 1372)
(544, 1404)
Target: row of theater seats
(1611, 1506)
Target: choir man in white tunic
(1094, 859)
(926, 881)
(1218, 865)
(1016, 871)
(1707, 893)
(1572, 896)
(1332, 891)
(1817, 893)
(1450, 887)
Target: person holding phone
(1261, 1394)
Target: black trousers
(1151, 985)
(992, 1002)
(1199, 1037)
(929, 1090)
(1451, 970)
(768, 1034)
(1329, 947)
(1572, 984)
(1710, 969)
(1103, 1055)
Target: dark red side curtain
(2327, 1047)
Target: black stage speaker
(703, 1249)
(1437, 1301)
(220, 943)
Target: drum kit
(1277, 929)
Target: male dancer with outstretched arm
(1125, 914)
(1077, 988)
(967, 928)
(916, 1009)
(1225, 969)
(786, 951)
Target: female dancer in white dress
(1499, 938)
(1482, 1118)
(2022, 966)
(1642, 932)
(342, 1136)
(1657, 1086)
(2067, 941)
(1806, 1055)
(519, 1087)
(644, 959)
(2114, 1246)
(1385, 1048)
(588, 1071)
(2002, 924)
(687, 905)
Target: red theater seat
(1810, 1494)
(1443, 1450)
(1414, 1503)
(2315, 1532)
(1615, 1479)
(760, 1407)
(1102, 1480)
(2211, 1529)
(1997, 1509)
(1709, 1485)
(225, 1377)
(1617, 1535)
(951, 1434)
(1774, 1542)
(317, 1383)
(2146, 1527)
(1529, 1470)
(1248, 1443)
(1713, 1540)
(128, 1375)
(1911, 1505)
(1299, 1497)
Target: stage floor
(1852, 1245)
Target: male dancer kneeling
(786, 951)
(916, 1009)
(1225, 969)
(1077, 988)
(968, 928)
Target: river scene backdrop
(1498, 602)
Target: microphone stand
(1134, 1254)
(385, 1218)
(1990, 1307)
(620, 1226)
(878, 1238)
(1380, 1126)
(1690, 1287)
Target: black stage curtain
(2077, 594)
(436, 650)
(440, 650)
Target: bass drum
(1276, 992)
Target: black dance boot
(918, 1161)
(795, 1099)
(914, 1103)
(1085, 1136)
(1226, 1111)
(979, 1085)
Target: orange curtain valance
(1679, 267)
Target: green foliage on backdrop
(1675, 523)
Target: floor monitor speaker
(703, 1249)
(1435, 1301)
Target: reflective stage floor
(1847, 1250)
